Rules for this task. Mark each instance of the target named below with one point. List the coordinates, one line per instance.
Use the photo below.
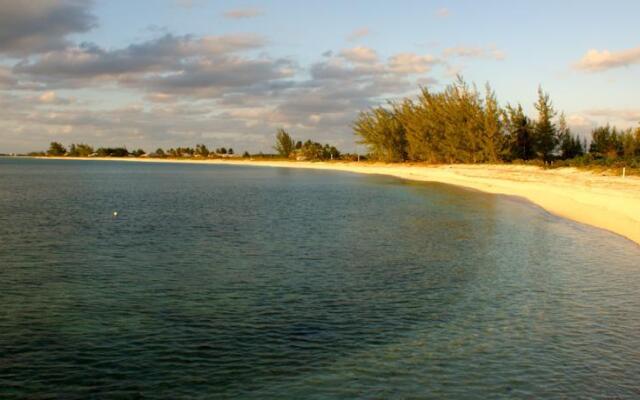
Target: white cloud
(360, 54)
(595, 60)
(241, 13)
(624, 114)
(474, 52)
(411, 63)
(358, 34)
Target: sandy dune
(606, 202)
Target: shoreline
(607, 202)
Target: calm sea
(246, 282)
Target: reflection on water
(231, 282)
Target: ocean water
(267, 283)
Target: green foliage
(492, 136)
(315, 151)
(202, 150)
(284, 143)
(630, 143)
(246, 154)
(179, 152)
(112, 152)
(570, 145)
(608, 142)
(383, 133)
(80, 150)
(56, 149)
(456, 125)
(605, 142)
(138, 153)
(545, 138)
(519, 136)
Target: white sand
(607, 202)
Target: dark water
(241, 282)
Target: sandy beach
(607, 202)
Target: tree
(112, 152)
(312, 150)
(83, 150)
(630, 143)
(202, 150)
(519, 141)
(493, 124)
(246, 154)
(604, 142)
(383, 133)
(56, 149)
(545, 130)
(138, 153)
(223, 151)
(230, 151)
(159, 152)
(284, 143)
(570, 146)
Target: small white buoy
(115, 213)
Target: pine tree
(384, 134)
(284, 143)
(570, 145)
(519, 140)
(546, 138)
(492, 138)
(56, 149)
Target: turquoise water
(243, 282)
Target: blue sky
(228, 73)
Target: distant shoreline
(607, 202)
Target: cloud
(28, 27)
(242, 13)
(474, 52)
(411, 63)
(363, 55)
(47, 97)
(165, 54)
(185, 89)
(214, 79)
(595, 60)
(6, 78)
(363, 63)
(443, 12)
(160, 98)
(358, 34)
(51, 98)
(628, 114)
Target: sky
(166, 73)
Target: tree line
(57, 149)
(462, 125)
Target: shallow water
(245, 282)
